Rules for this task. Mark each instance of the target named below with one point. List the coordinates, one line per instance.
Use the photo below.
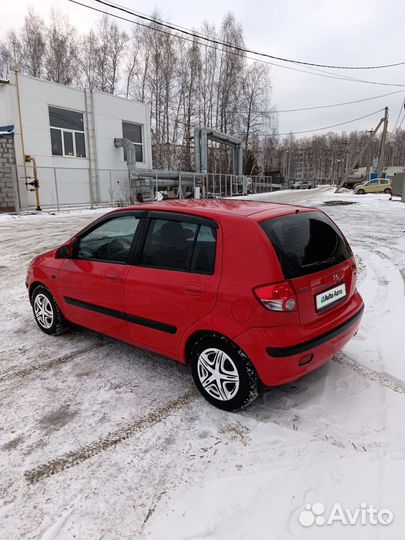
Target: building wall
(7, 161)
(63, 178)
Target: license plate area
(330, 297)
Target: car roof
(216, 207)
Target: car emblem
(335, 277)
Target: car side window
(383, 181)
(178, 245)
(372, 183)
(111, 241)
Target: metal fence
(62, 187)
(71, 186)
(196, 185)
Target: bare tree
(87, 61)
(108, 51)
(61, 64)
(33, 45)
(6, 56)
(255, 116)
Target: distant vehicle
(376, 185)
(301, 184)
(250, 294)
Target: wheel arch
(33, 286)
(194, 337)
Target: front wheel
(360, 192)
(47, 313)
(223, 373)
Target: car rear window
(306, 242)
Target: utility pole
(369, 131)
(360, 155)
(382, 147)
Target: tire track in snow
(38, 367)
(75, 457)
(389, 381)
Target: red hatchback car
(251, 294)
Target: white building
(70, 133)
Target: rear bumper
(278, 365)
(293, 350)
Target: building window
(67, 132)
(133, 132)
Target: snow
(102, 440)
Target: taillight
(354, 275)
(277, 297)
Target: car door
(384, 184)
(174, 281)
(91, 283)
(372, 186)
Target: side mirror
(67, 251)
(62, 252)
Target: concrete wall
(72, 172)
(7, 162)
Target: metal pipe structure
(201, 137)
(17, 85)
(35, 179)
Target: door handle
(193, 289)
(112, 276)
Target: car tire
(47, 313)
(387, 190)
(238, 386)
(360, 192)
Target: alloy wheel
(218, 374)
(43, 310)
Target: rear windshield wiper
(319, 263)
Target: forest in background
(186, 83)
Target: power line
(329, 127)
(400, 124)
(236, 47)
(340, 104)
(319, 106)
(316, 72)
(399, 115)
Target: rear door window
(306, 242)
(178, 245)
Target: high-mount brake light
(277, 297)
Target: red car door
(174, 282)
(92, 282)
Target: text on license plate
(330, 296)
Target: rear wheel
(47, 313)
(223, 373)
(387, 190)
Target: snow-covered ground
(102, 440)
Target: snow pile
(99, 439)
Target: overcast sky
(339, 32)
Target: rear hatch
(316, 259)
